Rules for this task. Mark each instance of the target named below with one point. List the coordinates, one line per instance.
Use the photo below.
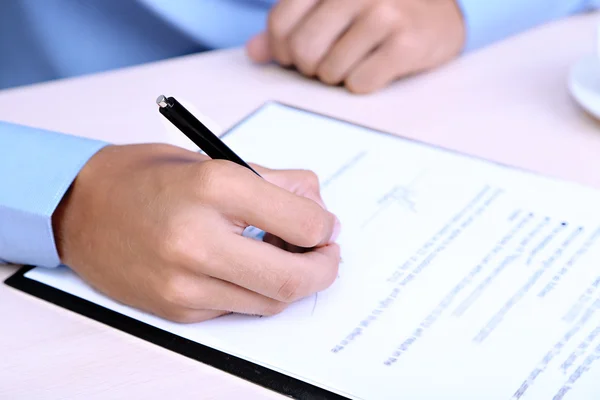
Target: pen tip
(161, 101)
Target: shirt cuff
(37, 168)
(485, 22)
(488, 21)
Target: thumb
(258, 48)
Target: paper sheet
(460, 278)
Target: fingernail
(336, 230)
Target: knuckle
(400, 45)
(384, 15)
(198, 257)
(289, 290)
(175, 291)
(171, 246)
(311, 180)
(302, 51)
(178, 245)
(315, 226)
(276, 26)
(327, 74)
(210, 177)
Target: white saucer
(584, 84)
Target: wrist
(64, 218)
(58, 224)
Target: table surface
(508, 103)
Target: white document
(461, 279)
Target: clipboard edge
(235, 366)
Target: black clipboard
(262, 376)
(257, 374)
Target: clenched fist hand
(365, 44)
(160, 228)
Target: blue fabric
(36, 169)
(488, 21)
(50, 39)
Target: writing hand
(159, 228)
(365, 44)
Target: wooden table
(508, 103)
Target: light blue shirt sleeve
(216, 23)
(488, 21)
(51, 39)
(37, 167)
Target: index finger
(283, 18)
(248, 200)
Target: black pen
(197, 132)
